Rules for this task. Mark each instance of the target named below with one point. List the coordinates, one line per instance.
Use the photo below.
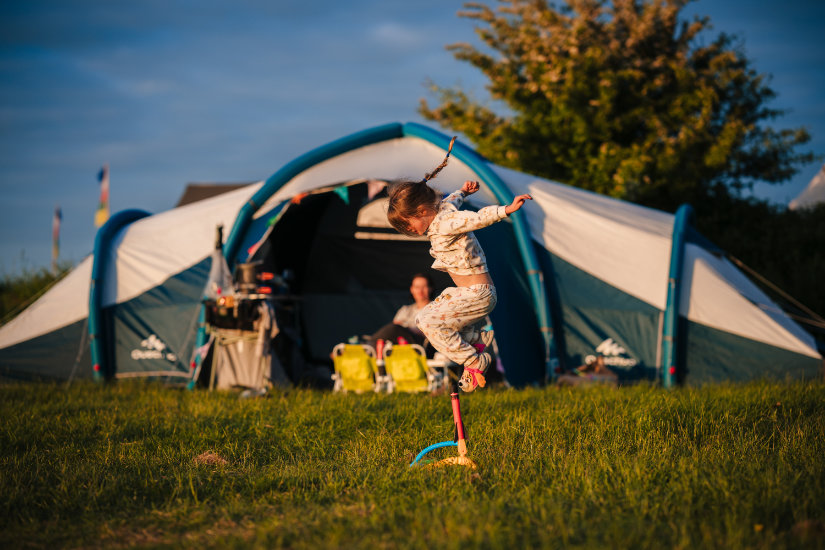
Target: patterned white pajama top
(452, 242)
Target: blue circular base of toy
(433, 447)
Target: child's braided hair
(434, 173)
(409, 199)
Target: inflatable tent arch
(392, 131)
(101, 355)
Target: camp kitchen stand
(244, 326)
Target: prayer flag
(343, 192)
(299, 197)
(102, 213)
(374, 187)
(58, 216)
(270, 226)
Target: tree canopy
(624, 98)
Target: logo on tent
(614, 355)
(153, 348)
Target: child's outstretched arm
(456, 198)
(517, 203)
(464, 221)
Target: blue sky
(175, 91)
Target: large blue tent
(578, 274)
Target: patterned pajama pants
(453, 321)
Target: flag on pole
(58, 216)
(102, 213)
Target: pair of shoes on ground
(473, 377)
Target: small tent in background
(813, 194)
(577, 273)
(195, 192)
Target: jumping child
(453, 321)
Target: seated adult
(403, 324)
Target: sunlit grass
(635, 467)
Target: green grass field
(634, 467)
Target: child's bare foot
(473, 375)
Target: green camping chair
(407, 368)
(355, 368)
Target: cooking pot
(246, 275)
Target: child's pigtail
(438, 168)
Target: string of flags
(373, 188)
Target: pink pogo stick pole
(459, 425)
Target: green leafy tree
(624, 98)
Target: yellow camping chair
(407, 368)
(355, 368)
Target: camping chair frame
(391, 384)
(338, 378)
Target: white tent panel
(65, 303)
(149, 251)
(402, 158)
(719, 296)
(642, 218)
(374, 214)
(626, 245)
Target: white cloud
(397, 36)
